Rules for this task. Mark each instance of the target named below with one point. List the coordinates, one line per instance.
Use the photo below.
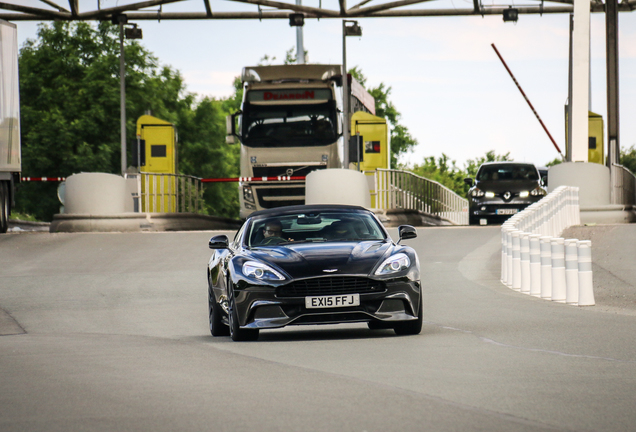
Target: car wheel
(472, 220)
(217, 328)
(411, 327)
(238, 334)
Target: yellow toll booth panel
(375, 140)
(156, 140)
(596, 144)
(596, 148)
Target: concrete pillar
(580, 80)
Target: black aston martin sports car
(313, 264)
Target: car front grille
(330, 286)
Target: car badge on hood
(506, 195)
(330, 270)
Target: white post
(546, 267)
(535, 265)
(571, 272)
(558, 270)
(525, 262)
(586, 286)
(516, 260)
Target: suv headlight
(394, 264)
(538, 191)
(476, 193)
(259, 271)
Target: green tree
(70, 102)
(628, 158)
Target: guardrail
(405, 190)
(537, 262)
(624, 184)
(169, 193)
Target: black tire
(217, 328)
(238, 334)
(414, 327)
(473, 220)
(4, 208)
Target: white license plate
(507, 211)
(332, 301)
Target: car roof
(507, 163)
(280, 211)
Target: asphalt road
(109, 332)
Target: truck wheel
(4, 208)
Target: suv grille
(330, 286)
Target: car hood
(312, 259)
(500, 186)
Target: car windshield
(327, 226)
(289, 125)
(507, 172)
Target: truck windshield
(289, 125)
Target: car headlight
(256, 270)
(538, 192)
(394, 264)
(477, 193)
(524, 194)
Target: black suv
(502, 189)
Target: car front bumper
(259, 307)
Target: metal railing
(405, 190)
(170, 193)
(623, 184)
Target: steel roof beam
(385, 6)
(59, 8)
(74, 7)
(293, 7)
(105, 13)
(42, 13)
(343, 7)
(208, 9)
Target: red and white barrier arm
(253, 179)
(42, 179)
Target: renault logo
(506, 195)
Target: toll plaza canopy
(49, 10)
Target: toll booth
(375, 140)
(596, 143)
(156, 155)
(374, 146)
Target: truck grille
(275, 171)
(330, 286)
(278, 196)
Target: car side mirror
(219, 242)
(544, 181)
(468, 181)
(406, 232)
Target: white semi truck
(10, 154)
(290, 124)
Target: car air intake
(330, 286)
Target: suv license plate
(344, 300)
(507, 211)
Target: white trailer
(10, 152)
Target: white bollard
(525, 262)
(516, 260)
(558, 270)
(535, 265)
(546, 267)
(571, 272)
(509, 257)
(503, 256)
(586, 286)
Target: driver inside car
(272, 233)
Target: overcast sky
(454, 94)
